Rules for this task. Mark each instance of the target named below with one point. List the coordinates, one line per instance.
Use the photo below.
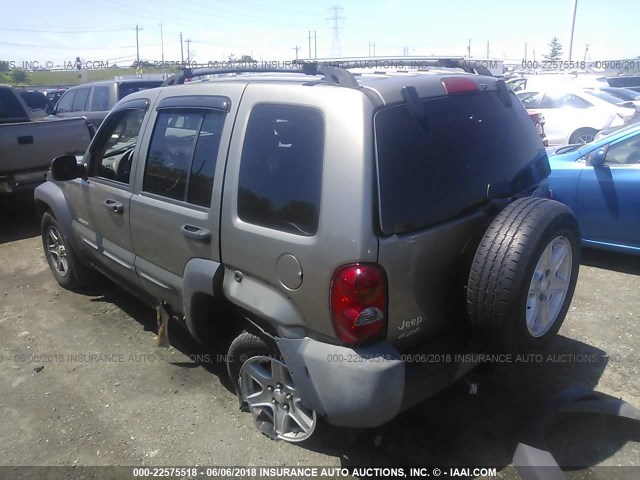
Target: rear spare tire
(523, 275)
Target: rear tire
(265, 388)
(523, 275)
(583, 136)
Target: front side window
(112, 152)
(281, 169)
(182, 157)
(66, 102)
(625, 152)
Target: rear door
(101, 203)
(176, 204)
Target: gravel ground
(137, 404)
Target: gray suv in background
(94, 100)
(351, 235)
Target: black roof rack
(336, 70)
(413, 62)
(332, 74)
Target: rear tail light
(458, 85)
(359, 302)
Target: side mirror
(597, 157)
(66, 167)
(49, 110)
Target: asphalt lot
(153, 406)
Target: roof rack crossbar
(333, 75)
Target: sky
(268, 30)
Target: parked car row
(577, 115)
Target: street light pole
(573, 23)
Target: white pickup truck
(27, 146)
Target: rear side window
(80, 102)
(100, 99)
(182, 155)
(433, 171)
(281, 169)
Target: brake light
(458, 85)
(358, 300)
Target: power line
(29, 30)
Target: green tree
(19, 76)
(246, 59)
(555, 50)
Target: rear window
(133, 87)
(35, 100)
(433, 171)
(10, 107)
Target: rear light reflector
(358, 300)
(458, 85)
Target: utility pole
(405, 51)
(162, 50)
(188, 40)
(372, 48)
(586, 49)
(469, 50)
(181, 50)
(296, 48)
(161, 44)
(573, 24)
(315, 44)
(487, 49)
(137, 44)
(534, 55)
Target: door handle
(113, 206)
(196, 233)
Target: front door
(609, 196)
(102, 201)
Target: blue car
(600, 182)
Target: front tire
(523, 275)
(65, 265)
